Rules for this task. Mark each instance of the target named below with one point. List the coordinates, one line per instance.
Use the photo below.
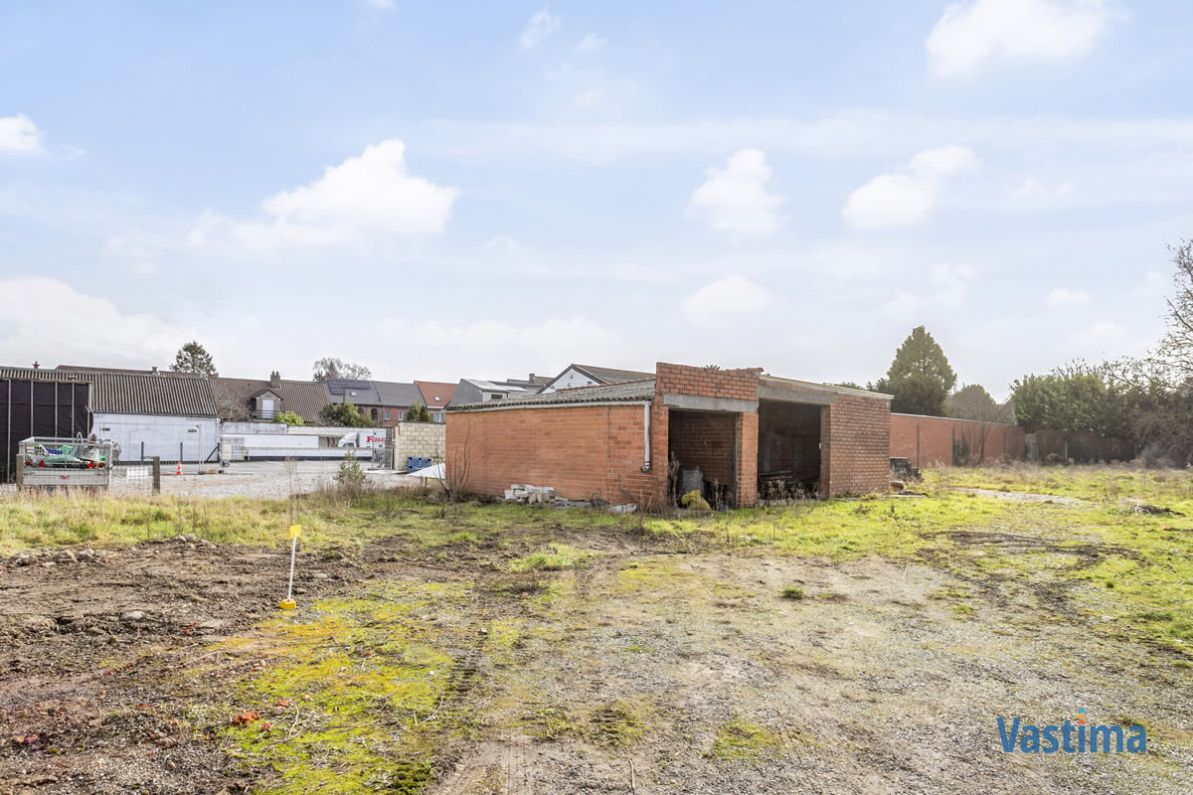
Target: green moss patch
(351, 694)
(740, 739)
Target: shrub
(350, 479)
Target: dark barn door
(39, 408)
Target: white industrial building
(153, 413)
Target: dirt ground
(652, 666)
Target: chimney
(275, 379)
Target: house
(146, 412)
(478, 390)
(243, 399)
(577, 375)
(736, 435)
(532, 383)
(382, 403)
(435, 396)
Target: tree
(417, 413)
(193, 358)
(920, 378)
(1104, 399)
(342, 414)
(973, 402)
(1176, 349)
(288, 418)
(329, 368)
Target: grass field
(500, 648)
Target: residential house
(478, 390)
(435, 396)
(382, 403)
(253, 399)
(579, 375)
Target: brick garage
(925, 441)
(614, 442)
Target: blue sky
(441, 190)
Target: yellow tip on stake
(288, 603)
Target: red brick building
(747, 433)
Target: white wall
(569, 379)
(161, 434)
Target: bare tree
(1177, 347)
(330, 367)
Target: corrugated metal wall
(39, 408)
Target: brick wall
(680, 379)
(705, 440)
(739, 384)
(582, 451)
(926, 441)
(855, 446)
(423, 439)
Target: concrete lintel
(698, 403)
(795, 395)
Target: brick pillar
(747, 460)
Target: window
(373, 414)
(387, 415)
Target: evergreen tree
(417, 413)
(920, 377)
(193, 358)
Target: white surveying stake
(288, 603)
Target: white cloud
(385, 5)
(969, 34)
(944, 161)
(732, 295)
(892, 200)
(1065, 296)
(1099, 332)
(1153, 285)
(372, 194)
(888, 200)
(949, 283)
(591, 43)
(947, 287)
(734, 199)
(541, 25)
(902, 305)
(608, 98)
(98, 333)
(19, 136)
(1034, 191)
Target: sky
(474, 189)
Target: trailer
(44, 462)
